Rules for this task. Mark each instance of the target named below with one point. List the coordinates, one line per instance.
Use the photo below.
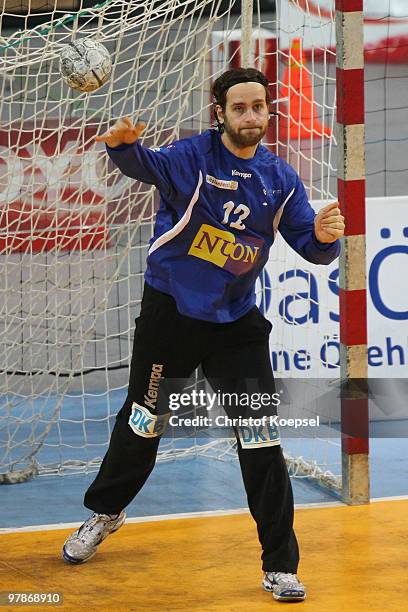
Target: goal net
(74, 232)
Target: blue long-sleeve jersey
(217, 220)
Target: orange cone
(297, 87)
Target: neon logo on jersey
(223, 249)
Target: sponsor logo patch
(272, 192)
(146, 424)
(253, 436)
(224, 249)
(233, 185)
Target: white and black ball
(85, 65)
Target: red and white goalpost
(353, 282)
(74, 232)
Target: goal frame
(351, 196)
(352, 262)
(353, 282)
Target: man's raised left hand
(329, 223)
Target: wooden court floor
(353, 559)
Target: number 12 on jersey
(241, 210)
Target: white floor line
(161, 517)
(390, 498)
(185, 515)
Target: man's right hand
(123, 132)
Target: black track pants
(230, 355)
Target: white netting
(74, 231)
(303, 299)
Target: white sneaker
(82, 544)
(284, 587)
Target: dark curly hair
(233, 77)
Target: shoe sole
(74, 561)
(280, 598)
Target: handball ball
(85, 65)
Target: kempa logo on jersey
(243, 175)
(223, 249)
(146, 424)
(220, 183)
(151, 397)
